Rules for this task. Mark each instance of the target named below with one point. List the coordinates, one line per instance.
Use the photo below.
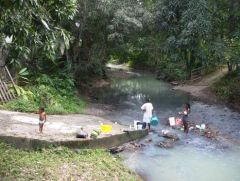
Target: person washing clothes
(148, 112)
(185, 114)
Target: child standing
(185, 114)
(42, 118)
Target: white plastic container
(139, 127)
(135, 124)
(172, 121)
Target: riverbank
(46, 159)
(201, 89)
(219, 87)
(228, 89)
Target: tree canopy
(79, 37)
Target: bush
(55, 94)
(171, 71)
(228, 88)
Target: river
(193, 157)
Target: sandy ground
(57, 127)
(200, 88)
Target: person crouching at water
(148, 111)
(185, 114)
(42, 118)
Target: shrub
(172, 71)
(55, 94)
(228, 88)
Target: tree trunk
(229, 66)
(189, 63)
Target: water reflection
(128, 96)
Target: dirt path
(212, 78)
(200, 89)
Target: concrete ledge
(105, 142)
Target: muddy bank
(119, 73)
(206, 95)
(202, 89)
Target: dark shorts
(185, 119)
(144, 124)
(185, 125)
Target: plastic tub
(105, 128)
(139, 127)
(172, 121)
(135, 124)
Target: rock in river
(171, 136)
(165, 144)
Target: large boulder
(116, 149)
(171, 136)
(132, 146)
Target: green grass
(61, 106)
(228, 88)
(61, 164)
(54, 101)
(57, 94)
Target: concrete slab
(22, 128)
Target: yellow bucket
(106, 128)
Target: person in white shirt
(148, 111)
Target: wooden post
(5, 91)
(2, 92)
(196, 74)
(8, 92)
(1, 97)
(14, 85)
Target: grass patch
(228, 88)
(60, 105)
(61, 164)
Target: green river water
(194, 158)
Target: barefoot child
(185, 114)
(42, 119)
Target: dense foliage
(36, 29)
(61, 164)
(78, 37)
(228, 88)
(56, 94)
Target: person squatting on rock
(148, 112)
(185, 114)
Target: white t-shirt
(148, 108)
